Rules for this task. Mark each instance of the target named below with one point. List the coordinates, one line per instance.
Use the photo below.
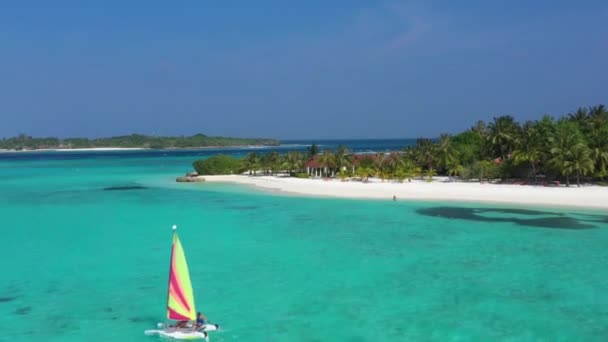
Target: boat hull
(210, 327)
(178, 334)
(189, 327)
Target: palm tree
(394, 163)
(454, 169)
(313, 150)
(445, 152)
(343, 174)
(342, 158)
(430, 173)
(600, 157)
(529, 150)
(364, 172)
(408, 170)
(400, 174)
(274, 162)
(481, 129)
(425, 152)
(395, 160)
(384, 175)
(293, 161)
(579, 116)
(566, 140)
(416, 171)
(328, 161)
(596, 134)
(503, 134)
(598, 115)
(484, 168)
(265, 163)
(380, 163)
(580, 162)
(252, 162)
(302, 158)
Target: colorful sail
(180, 303)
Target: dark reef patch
(304, 218)
(594, 218)
(520, 211)
(23, 311)
(139, 319)
(557, 222)
(125, 188)
(53, 287)
(551, 220)
(7, 299)
(243, 207)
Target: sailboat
(180, 300)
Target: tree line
(25, 142)
(572, 147)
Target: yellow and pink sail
(180, 302)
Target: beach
(114, 149)
(89, 149)
(590, 196)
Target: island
(535, 162)
(24, 142)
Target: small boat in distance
(180, 301)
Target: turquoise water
(80, 263)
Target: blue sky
(285, 69)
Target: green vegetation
(546, 151)
(313, 150)
(24, 142)
(218, 165)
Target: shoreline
(101, 149)
(586, 197)
(76, 149)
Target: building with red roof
(315, 168)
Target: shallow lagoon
(83, 263)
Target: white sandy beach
(590, 196)
(76, 149)
(100, 149)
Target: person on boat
(181, 325)
(200, 319)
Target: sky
(294, 69)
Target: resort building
(316, 168)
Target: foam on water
(80, 264)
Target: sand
(91, 149)
(589, 196)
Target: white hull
(183, 334)
(178, 334)
(210, 327)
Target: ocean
(87, 236)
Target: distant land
(24, 142)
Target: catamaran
(180, 301)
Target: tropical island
(499, 161)
(24, 142)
